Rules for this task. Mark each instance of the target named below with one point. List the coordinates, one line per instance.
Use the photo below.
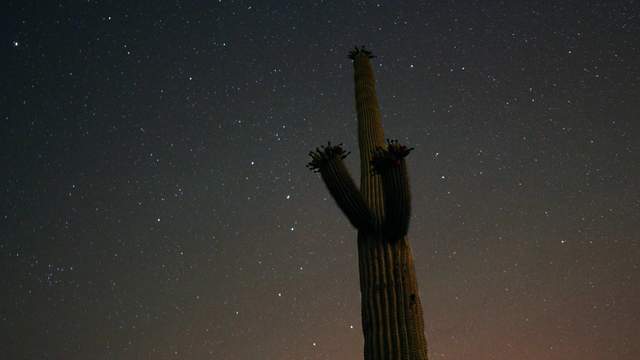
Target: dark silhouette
(391, 311)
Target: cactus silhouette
(380, 210)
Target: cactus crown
(360, 51)
(323, 154)
(383, 158)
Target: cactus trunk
(392, 319)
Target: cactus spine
(392, 319)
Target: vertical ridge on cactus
(392, 319)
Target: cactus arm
(328, 161)
(389, 163)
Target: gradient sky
(156, 205)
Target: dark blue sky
(156, 205)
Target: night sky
(156, 205)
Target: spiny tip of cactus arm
(389, 156)
(360, 51)
(397, 149)
(323, 154)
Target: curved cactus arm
(389, 163)
(327, 160)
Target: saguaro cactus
(391, 311)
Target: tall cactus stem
(392, 320)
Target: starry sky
(156, 205)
